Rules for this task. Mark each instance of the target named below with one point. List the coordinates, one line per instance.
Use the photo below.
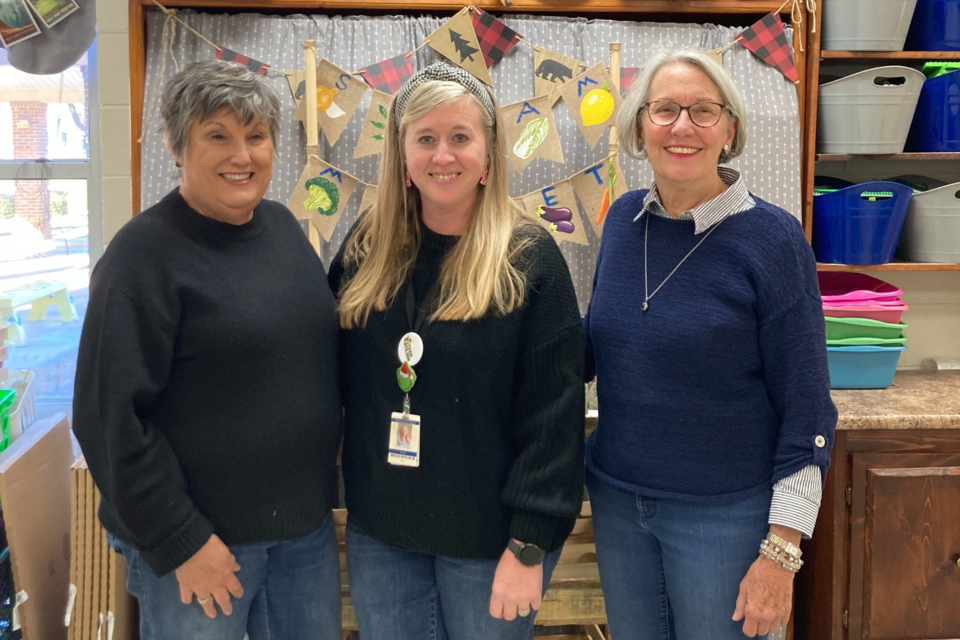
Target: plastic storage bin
(855, 226)
(867, 342)
(936, 122)
(7, 398)
(855, 288)
(931, 230)
(866, 25)
(23, 413)
(881, 313)
(862, 367)
(935, 26)
(839, 328)
(868, 112)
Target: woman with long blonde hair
(461, 331)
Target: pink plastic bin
(854, 288)
(885, 313)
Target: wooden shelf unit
(871, 56)
(847, 157)
(896, 265)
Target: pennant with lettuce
(338, 96)
(369, 198)
(598, 186)
(767, 39)
(321, 195)
(555, 208)
(592, 101)
(551, 70)
(531, 132)
(456, 41)
(374, 126)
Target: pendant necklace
(646, 289)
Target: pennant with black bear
(551, 70)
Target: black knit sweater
(206, 397)
(501, 402)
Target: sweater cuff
(547, 532)
(180, 547)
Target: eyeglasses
(666, 112)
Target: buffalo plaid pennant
(259, 68)
(495, 37)
(388, 76)
(767, 39)
(628, 76)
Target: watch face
(530, 555)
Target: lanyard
(410, 349)
(424, 306)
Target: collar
(734, 200)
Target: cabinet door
(905, 546)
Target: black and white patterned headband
(447, 73)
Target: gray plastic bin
(868, 112)
(866, 25)
(931, 230)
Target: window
(49, 201)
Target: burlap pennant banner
(457, 41)
(592, 102)
(321, 194)
(338, 96)
(369, 198)
(598, 187)
(555, 208)
(531, 132)
(374, 126)
(298, 84)
(551, 70)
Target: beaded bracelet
(780, 556)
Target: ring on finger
(203, 601)
(523, 613)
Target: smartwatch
(529, 555)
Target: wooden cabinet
(884, 563)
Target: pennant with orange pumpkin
(593, 102)
(598, 187)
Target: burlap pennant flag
(338, 96)
(592, 101)
(531, 132)
(456, 40)
(551, 70)
(374, 126)
(598, 187)
(555, 208)
(321, 194)
(298, 84)
(369, 198)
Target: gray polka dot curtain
(770, 163)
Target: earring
(409, 181)
(483, 176)
(726, 148)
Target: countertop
(917, 400)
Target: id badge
(403, 448)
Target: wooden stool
(42, 295)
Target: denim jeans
(670, 569)
(406, 595)
(291, 590)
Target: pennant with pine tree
(456, 41)
(495, 38)
(767, 39)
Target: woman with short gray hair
(706, 467)
(207, 401)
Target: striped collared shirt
(796, 498)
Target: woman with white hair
(706, 334)
(461, 329)
(207, 401)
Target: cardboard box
(35, 494)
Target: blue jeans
(670, 568)
(291, 589)
(406, 595)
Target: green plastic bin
(840, 328)
(867, 342)
(7, 398)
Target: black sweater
(501, 401)
(206, 396)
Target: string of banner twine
(796, 19)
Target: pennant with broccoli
(321, 194)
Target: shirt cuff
(796, 500)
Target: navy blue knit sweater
(721, 387)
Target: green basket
(867, 342)
(7, 398)
(934, 69)
(842, 328)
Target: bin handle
(889, 81)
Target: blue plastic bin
(862, 367)
(935, 26)
(852, 228)
(936, 122)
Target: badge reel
(403, 447)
